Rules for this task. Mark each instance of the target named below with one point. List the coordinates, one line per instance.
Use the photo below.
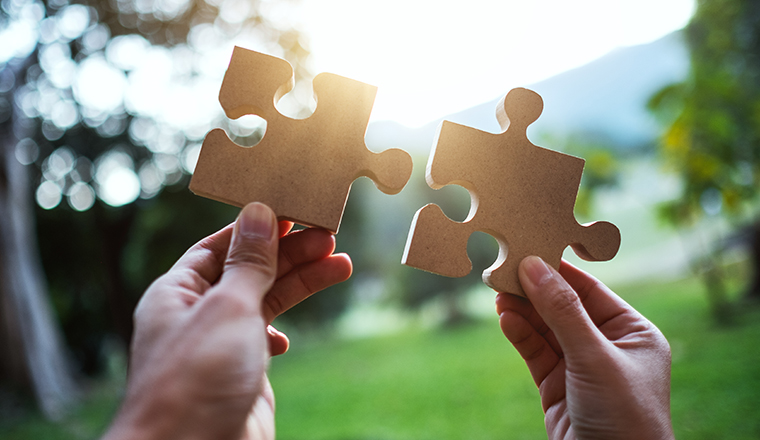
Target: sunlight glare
(99, 85)
(431, 58)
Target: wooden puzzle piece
(522, 195)
(303, 169)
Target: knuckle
(228, 305)
(275, 304)
(534, 353)
(144, 309)
(562, 298)
(255, 253)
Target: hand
(202, 337)
(602, 369)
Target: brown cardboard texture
(302, 168)
(522, 195)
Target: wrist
(145, 419)
(169, 414)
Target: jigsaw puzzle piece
(343, 102)
(438, 244)
(253, 84)
(597, 241)
(597, 236)
(522, 195)
(303, 169)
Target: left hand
(602, 369)
(202, 337)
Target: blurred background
(104, 105)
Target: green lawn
(469, 383)
(466, 383)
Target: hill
(605, 98)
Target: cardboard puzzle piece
(522, 195)
(302, 168)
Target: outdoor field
(469, 383)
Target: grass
(88, 421)
(463, 383)
(469, 383)
(716, 370)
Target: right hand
(602, 369)
(202, 337)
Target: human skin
(602, 369)
(202, 338)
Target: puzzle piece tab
(303, 169)
(522, 195)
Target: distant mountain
(605, 98)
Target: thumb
(559, 306)
(251, 263)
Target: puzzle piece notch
(302, 168)
(523, 196)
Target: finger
(559, 306)
(604, 306)
(523, 307)
(207, 257)
(303, 281)
(516, 303)
(302, 247)
(189, 278)
(278, 341)
(553, 388)
(284, 227)
(533, 347)
(250, 267)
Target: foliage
(104, 98)
(712, 141)
(602, 168)
(108, 256)
(713, 137)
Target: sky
(431, 58)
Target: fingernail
(256, 220)
(537, 270)
(273, 331)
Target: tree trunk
(709, 267)
(33, 355)
(114, 237)
(717, 297)
(753, 291)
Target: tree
(88, 130)
(712, 141)
(33, 357)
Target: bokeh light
(48, 195)
(58, 164)
(99, 85)
(19, 38)
(117, 181)
(27, 151)
(95, 38)
(72, 21)
(81, 196)
(190, 157)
